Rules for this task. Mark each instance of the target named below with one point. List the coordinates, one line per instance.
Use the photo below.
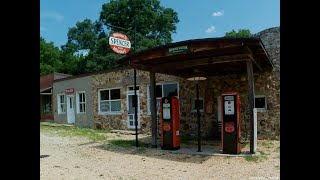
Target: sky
(197, 19)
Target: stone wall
(122, 79)
(119, 79)
(213, 87)
(210, 90)
(269, 122)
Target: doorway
(70, 109)
(131, 109)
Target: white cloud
(53, 15)
(211, 29)
(218, 13)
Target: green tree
(84, 35)
(49, 57)
(154, 23)
(88, 47)
(240, 33)
(70, 61)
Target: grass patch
(128, 144)
(263, 153)
(267, 144)
(91, 134)
(252, 158)
(142, 149)
(257, 158)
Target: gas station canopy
(213, 56)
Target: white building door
(70, 109)
(130, 108)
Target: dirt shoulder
(80, 158)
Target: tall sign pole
(120, 44)
(135, 89)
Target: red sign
(119, 43)
(70, 90)
(166, 126)
(229, 127)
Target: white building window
(61, 103)
(260, 102)
(81, 102)
(193, 108)
(109, 101)
(162, 90)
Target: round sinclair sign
(119, 43)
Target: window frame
(193, 105)
(44, 108)
(265, 103)
(149, 98)
(59, 103)
(78, 102)
(109, 112)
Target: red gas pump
(230, 128)
(169, 123)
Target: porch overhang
(46, 91)
(214, 56)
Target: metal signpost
(120, 44)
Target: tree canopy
(87, 48)
(49, 57)
(240, 33)
(154, 23)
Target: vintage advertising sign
(229, 127)
(166, 126)
(119, 43)
(69, 90)
(179, 49)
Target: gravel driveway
(79, 158)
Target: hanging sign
(119, 43)
(179, 49)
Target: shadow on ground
(187, 153)
(44, 156)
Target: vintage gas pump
(169, 123)
(230, 131)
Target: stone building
(107, 97)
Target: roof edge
(94, 73)
(120, 61)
